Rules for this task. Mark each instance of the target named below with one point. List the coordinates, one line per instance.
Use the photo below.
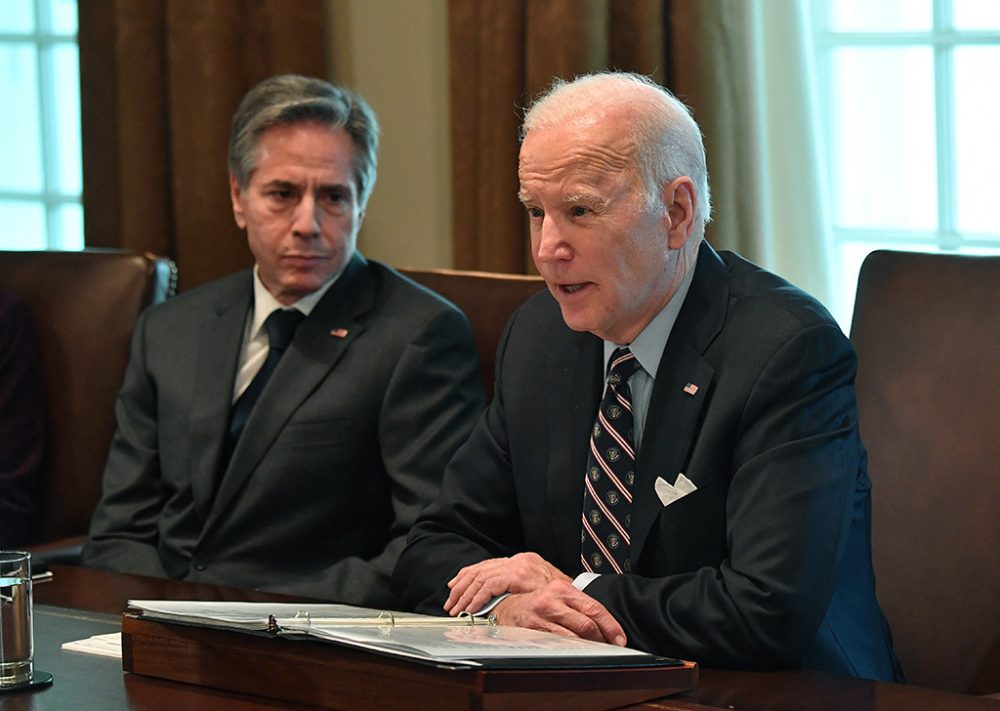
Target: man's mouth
(571, 288)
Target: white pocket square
(669, 493)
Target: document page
(256, 615)
(466, 644)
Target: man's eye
(281, 194)
(535, 212)
(336, 196)
(578, 211)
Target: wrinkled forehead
(588, 148)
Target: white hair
(666, 141)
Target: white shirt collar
(264, 302)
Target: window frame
(45, 40)
(943, 39)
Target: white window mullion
(944, 101)
(47, 112)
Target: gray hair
(666, 141)
(292, 99)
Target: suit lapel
(680, 391)
(319, 344)
(219, 339)
(572, 406)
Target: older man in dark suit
(671, 460)
(280, 429)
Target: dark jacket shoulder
(754, 290)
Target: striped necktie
(607, 493)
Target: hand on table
(561, 608)
(475, 585)
(542, 597)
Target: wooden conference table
(78, 603)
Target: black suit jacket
(347, 442)
(767, 564)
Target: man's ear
(680, 203)
(236, 194)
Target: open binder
(463, 641)
(338, 656)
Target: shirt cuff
(488, 607)
(581, 581)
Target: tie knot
(621, 366)
(280, 327)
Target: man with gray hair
(281, 428)
(671, 460)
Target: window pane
(977, 138)
(66, 140)
(883, 138)
(23, 225)
(977, 14)
(880, 15)
(20, 140)
(67, 227)
(17, 16)
(63, 16)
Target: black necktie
(280, 327)
(607, 492)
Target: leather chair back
(488, 300)
(84, 306)
(927, 332)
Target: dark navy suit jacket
(767, 564)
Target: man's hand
(475, 585)
(561, 608)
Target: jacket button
(199, 565)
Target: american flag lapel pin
(691, 389)
(338, 332)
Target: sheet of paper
(468, 642)
(104, 645)
(252, 615)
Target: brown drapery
(160, 80)
(503, 53)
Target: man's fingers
(475, 585)
(475, 596)
(606, 628)
(461, 594)
(561, 608)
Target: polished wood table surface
(78, 603)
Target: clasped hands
(541, 597)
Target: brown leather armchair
(83, 306)
(488, 299)
(927, 333)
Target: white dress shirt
(253, 352)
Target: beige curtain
(747, 70)
(160, 80)
(743, 67)
(503, 52)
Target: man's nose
(307, 219)
(551, 243)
